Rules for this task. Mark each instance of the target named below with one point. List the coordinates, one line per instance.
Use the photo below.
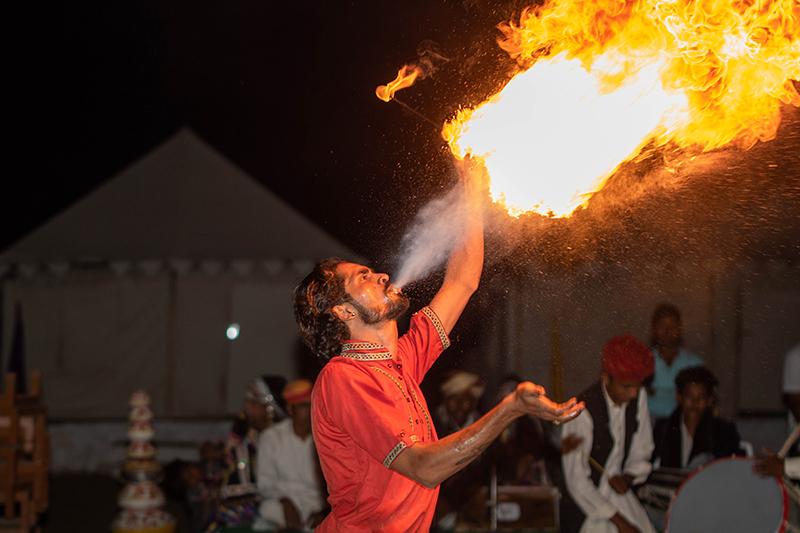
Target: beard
(397, 304)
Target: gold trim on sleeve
(394, 453)
(428, 312)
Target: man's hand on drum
(621, 484)
(533, 401)
(768, 464)
(623, 525)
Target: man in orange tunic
(378, 448)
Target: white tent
(135, 285)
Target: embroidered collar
(364, 351)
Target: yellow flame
(609, 76)
(403, 80)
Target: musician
(692, 435)
(616, 445)
(373, 430)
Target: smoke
(436, 230)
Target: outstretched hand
(531, 398)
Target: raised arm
(431, 464)
(466, 260)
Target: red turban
(297, 391)
(627, 358)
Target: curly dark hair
(696, 374)
(314, 299)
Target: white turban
(463, 382)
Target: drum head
(725, 496)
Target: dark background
(286, 91)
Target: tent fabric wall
(98, 337)
(94, 336)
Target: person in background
(616, 442)
(238, 493)
(527, 453)
(666, 341)
(461, 392)
(767, 463)
(692, 435)
(289, 477)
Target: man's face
(301, 414)
(258, 417)
(621, 391)
(695, 400)
(667, 332)
(459, 406)
(375, 299)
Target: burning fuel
(403, 80)
(608, 77)
(599, 80)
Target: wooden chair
(34, 464)
(13, 492)
(24, 455)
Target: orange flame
(609, 76)
(403, 80)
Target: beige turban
(461, 382)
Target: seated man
(289, 476)
(238, 494)
(616, 442)
(692, 435)
(460, 392)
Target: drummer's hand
(292, 515)
(532, 400)
(768, 464)
(569, 443)
(623, 525)
(620, 484)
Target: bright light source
(233, 331)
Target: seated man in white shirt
(616, 444)
(289, 476)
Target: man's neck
(300, 430)
(383, 333)
(668, 354)
(690, 425)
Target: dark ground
(87, 503)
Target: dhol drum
(725, 496)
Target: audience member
(461, 392)
(527, 452)
(238, 493)
(666, 340)
(615, 448)
(183, 482)
(692, 435)
(289, 476)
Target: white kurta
(601, 503)
(287, 468)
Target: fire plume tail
(403, 80)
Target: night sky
(286, 91)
